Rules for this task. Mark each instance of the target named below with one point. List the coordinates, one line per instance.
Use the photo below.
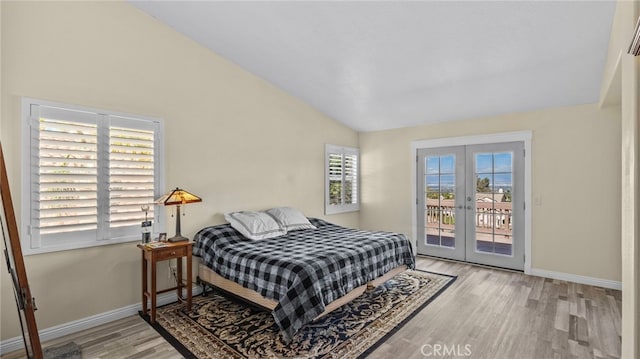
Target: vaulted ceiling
(389, 64)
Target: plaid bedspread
(304, 270)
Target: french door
(471, 203)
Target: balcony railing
(491, 218)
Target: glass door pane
(440, 200)
(493, 173)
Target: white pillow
(255, 225)
(290, 219)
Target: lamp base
(178, 238)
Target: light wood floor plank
(494, 313)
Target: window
(86, 175)
(341, 182)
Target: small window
(341, 179)
(87, 173)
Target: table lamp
(178, 197)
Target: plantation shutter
(90, 175)
(64, 174)
(335, 178)
(341, 187)
(350, 179)
(131, 173)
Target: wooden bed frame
(208, 276)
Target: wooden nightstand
(154, 255)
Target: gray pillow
(255, 225)
(290, 218)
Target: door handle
(460, 206)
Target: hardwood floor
(503, 314)
(486, 313)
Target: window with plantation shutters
(341, 183)
(90, 173)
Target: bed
(303, 274)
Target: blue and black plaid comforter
(303, 270)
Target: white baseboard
(9, 345)
(598, 282)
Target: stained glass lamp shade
(178, 197)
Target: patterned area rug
(222, 327)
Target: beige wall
(231, 138)
(621, 81)
(575, 170)
(627, 13)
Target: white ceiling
(381, 65)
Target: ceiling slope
(383, 65)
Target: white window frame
(340, 208)
(32, 245)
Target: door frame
(519, 136)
